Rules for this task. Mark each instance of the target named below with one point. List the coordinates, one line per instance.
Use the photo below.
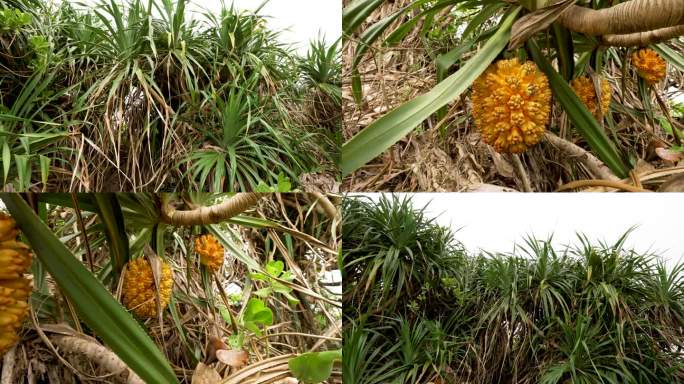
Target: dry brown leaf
(214, 344)
(674, 184)
(235, 358)
(669, 155)
(536, 21)
(319, 182)
(205, 374)
(489, 188)
(287, 380)
(502, 166)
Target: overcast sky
(299, 20)
(494, 222)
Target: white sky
(495, 221)
(298, 20)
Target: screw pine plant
(414, 67)
(391, 242)
(321, 77)
(134, 95)
(145, 292)
(649, 65)
(210, 251)
(585, 90)
(119, 292)
(586, 313)
(511, 105)
(15, 260)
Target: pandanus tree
(132, 96)
(321, 76)
(518, 60)
(419, 308)
(168, 288)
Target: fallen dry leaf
(235, 358)
(205, 374)
(287, 380)
(489, 188)
(536, 21)
(503, 167)
(669, 155)
(673, 184)
(214, 345)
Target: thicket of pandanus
(145, 95)
(419, 308)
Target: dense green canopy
(142, 96)
(419, 307)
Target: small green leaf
(258, 276)
(275, 268)
(263, 292)
(290, 299)
(257, 314)
(225, 314)
(287, 275)
(314, 367)
(283, 185)
(236, 341)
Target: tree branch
(643, 38)
(214, 214)
(594, 165)
(600, 183)
(625, 18)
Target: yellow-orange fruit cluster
(139, 293)
(15, 289)
(511, 105)
(584, 88)
(210, 251)
(649, 65)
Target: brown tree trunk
(237, 204)
(625, 18)
(644, 38)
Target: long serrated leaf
(233, 248)
(109, 210)
(23, 171)
(564, 47)
(95, 305)
(367, 38)
(6, 160)
(480, 18)
(355, 13)
(581, 118)
(44, 170)
(402, 30)
(446, 60)
(387, 130)
(671, 56)
(86, 201)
